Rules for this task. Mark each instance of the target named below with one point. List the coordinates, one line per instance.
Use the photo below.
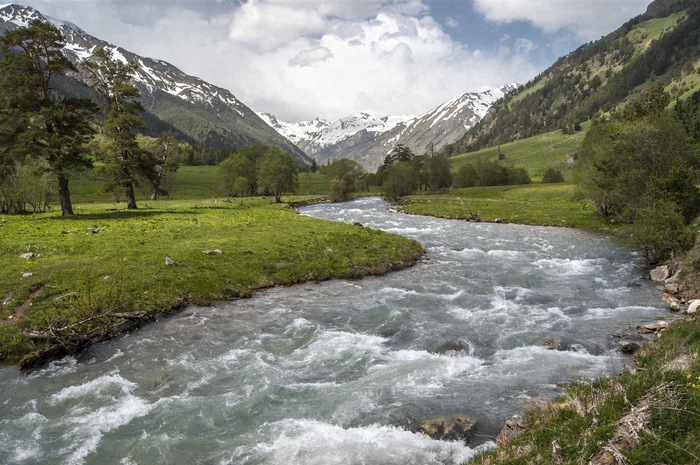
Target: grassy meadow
(108, 259)
(535, 154)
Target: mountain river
(341, 372)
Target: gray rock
(168, 261)
(693, 306)
(27, 275)
(659, 274)
(451, 429)
(674, 307)
(27, 255)
(629, 347)
(355, 223)
(513, 428)
(672, 288)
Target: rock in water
(451, 429)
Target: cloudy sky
(301, 59)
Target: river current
(341, 372)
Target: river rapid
(341, 372)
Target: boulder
(674, 306)
(26, 256)
(452, 347)
(693, 306)
(451, 429)
(169, 261)
(355, 223)
(672, 288)
(552, 343)
(652, 327)
(628, 347)
(513, 428)
(659, 274)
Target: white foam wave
(313, 442)
(567, 266)
(95, 387)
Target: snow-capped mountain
(367, 139)
(200, 111)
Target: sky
(302, 59)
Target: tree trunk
(156, 184)
(130, 198)
(64, 195)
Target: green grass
(535, 154)
(263, 244)
(588, 415)
(533, 204)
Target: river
(340, 372)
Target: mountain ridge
(205, 113)
(367, 139)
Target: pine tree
(126, 162)
(32, 123)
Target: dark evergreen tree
(126, 162)
(32, 123)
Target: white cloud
(586, 19)
(450, 22)
(305, 58)
(310, 57)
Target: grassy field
(534, 204)
(121, 265)
(535, 154)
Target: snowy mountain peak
(367, 139)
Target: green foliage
(231, 170)
(490, 173)
(278, 173)
(126, 162)
(617, 159)
(659, 229)
(27, 186)
(552, 175)
(32, 124)
(398, 180)
(344, 177)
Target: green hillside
(661, 46)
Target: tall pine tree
(126, 163)
(32, 123)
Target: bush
(659, 230)
(552, 175)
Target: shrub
(552, 175)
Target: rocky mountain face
(198, 111)
(367, 140)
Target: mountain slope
(660, 46)
(204, 113)
(367, 139)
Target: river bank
(642, 415)
(70, 280)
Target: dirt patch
(19, 311)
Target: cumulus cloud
(583, 18)
(450, 22)
(329, 58)
(310, 57)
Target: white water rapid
(341, 372)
